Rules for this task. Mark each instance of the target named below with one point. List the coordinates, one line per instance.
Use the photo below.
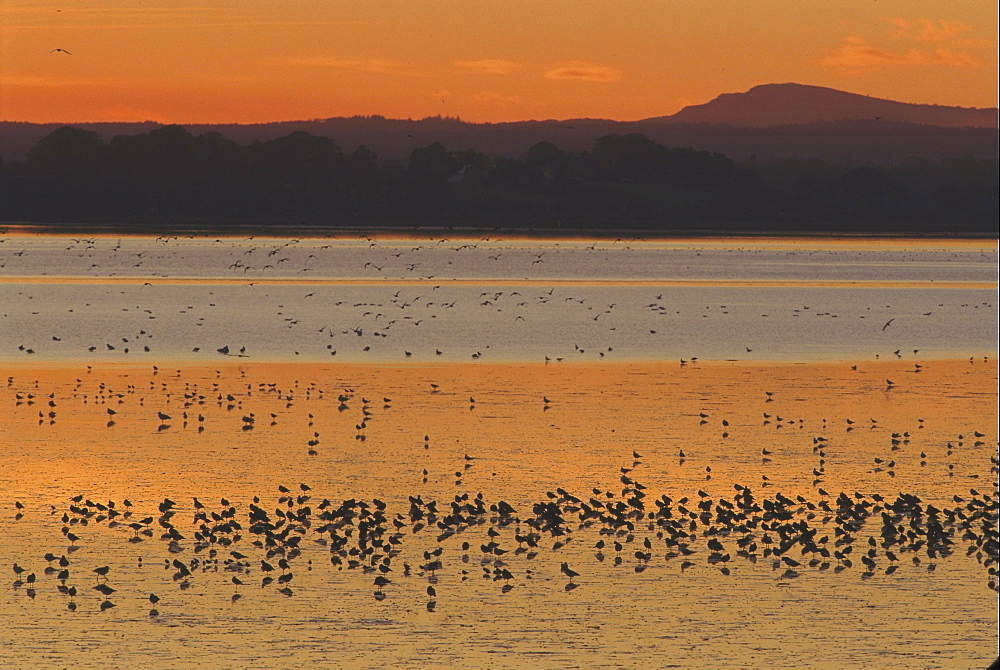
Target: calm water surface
(808, 371)
(385, 301)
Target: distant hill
(771, 121)
(784, 104)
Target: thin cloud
(490, 66)
(938, 31)
(582, 71)
(35, 81)
(368, 65)
(856, 56)
(144, 18)
(928, 30)
(956, 58)
(493, 96)
(160, 25)
(902, 25)
(47, 11)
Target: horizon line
(458, 118)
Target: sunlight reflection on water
(387, 425)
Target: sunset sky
(218, 61)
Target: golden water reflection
(524, 434)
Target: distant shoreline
(217, 229)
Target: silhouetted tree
(634, 157)
(67, 152)
(364, 162)
(432, 162)
(630, 181)
(422, 191)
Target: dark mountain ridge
(786, 104)
(773, 121)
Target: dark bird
(887, 323)
(63, 51)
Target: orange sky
(482, 60)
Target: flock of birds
(402, 314)
(259, 546)
(254, 258)
(262, 545)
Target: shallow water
(185, 299)
(426, 260)
(509, 426)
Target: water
(184, 299)
(424, 260)
(823, 392)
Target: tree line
(170, 176)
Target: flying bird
(61, 51)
